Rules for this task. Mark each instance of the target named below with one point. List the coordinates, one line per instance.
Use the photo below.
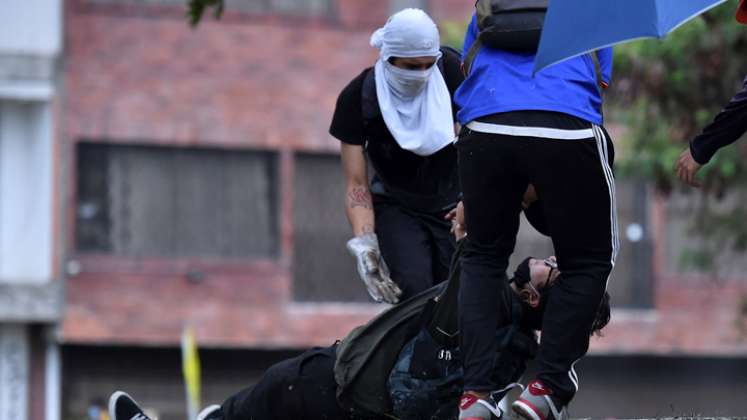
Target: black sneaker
(123, 407)
(212, 412)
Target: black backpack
(427, 380)
(507, 25)
(405, 363)
(367, 355)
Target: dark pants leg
(576, 188)
(299, 388)
(493, 182)
(416, 247)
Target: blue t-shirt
(501, 81)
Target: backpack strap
(443, 323)
(469, 58)
(369, 100)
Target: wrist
(363, 243)
(697, 157)
(366, 229)
(367, 235)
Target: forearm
(359, 208)
(728, 126)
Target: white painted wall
(30, 45)
(52, 376)
(14, 372)
(25, 192)
(31, 27)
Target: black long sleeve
(728, 126)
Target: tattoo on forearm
(367, 228)
(359, 197)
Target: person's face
(542, 275)
(413, 63)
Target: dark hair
(522, 275)
(602, 318)
(603, 315)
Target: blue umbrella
(575, 27)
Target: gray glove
(372, 269)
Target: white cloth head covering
(415, 104)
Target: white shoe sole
(524, 411)
(206, 411)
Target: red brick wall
(362, 15)
(239, 85)
(251, 83)
(459, 10)
(148, 302)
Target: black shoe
(212, 412)
(123, 407)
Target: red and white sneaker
(472, 407)
(537, 403)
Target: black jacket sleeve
(728, 126)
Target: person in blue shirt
(543, 130)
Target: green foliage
(196, 8)
(664, 93)
(452, 33)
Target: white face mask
(406, 83)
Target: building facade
(30, 279)
(200, 187)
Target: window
(631, 282)
(688, 253)
(322, 268)
(176, 202)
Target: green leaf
(196, 8)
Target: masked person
(304, 387)
(542, 129)
(399, 117)
(728, 126)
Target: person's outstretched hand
(687, 167)
(372, 269)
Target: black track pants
(574, 181)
